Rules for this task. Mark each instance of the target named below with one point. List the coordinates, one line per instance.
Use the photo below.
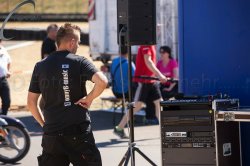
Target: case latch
(229, 116)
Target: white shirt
(4, 61)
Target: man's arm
(150, 64)
(8, 66)
(32, 106)
(101, 83)
(8, 72)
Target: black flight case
(201, 132)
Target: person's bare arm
(176, 73)
(8, 66)
(100, 82)
(176, 77)
(150, 64)
(32, 106)
(8, 72)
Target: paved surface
(112, 149)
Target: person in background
(117, 84)
(120, 65)
(49, 43)
(169, 67)
(147, 89)
(5, 62)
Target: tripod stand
(132, 145)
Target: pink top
(167, 70)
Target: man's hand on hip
(100, 82)
(84, 102)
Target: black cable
(156, 78)
(123, 93)
(121, 72)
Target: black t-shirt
(61, 78)
(48, 47)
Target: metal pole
(162, 25)
(174, 20)
(131, 112)
(76, 6)
(8, 5)
(42, 7)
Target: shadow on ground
(5, 164)
(101, 120)
(113, 142)
(32, 126)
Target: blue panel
(214, 47)
(215, 51)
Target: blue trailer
(214, 52)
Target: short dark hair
(0, 40)
(166, 49)
(65, 32)
(52, 27)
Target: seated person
(169, 68)
(120, 65)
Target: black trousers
(150, 106)
(170, 94)
(150, 110)
(147, 94)
(5, 95)
(60, 150)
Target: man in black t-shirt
(61, 78)
(49, 43)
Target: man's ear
(72, 42)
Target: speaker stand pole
(132, 145)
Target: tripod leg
(123, 108)
(125, 158)
(133, 156)
(144, 156)
(114, 111)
